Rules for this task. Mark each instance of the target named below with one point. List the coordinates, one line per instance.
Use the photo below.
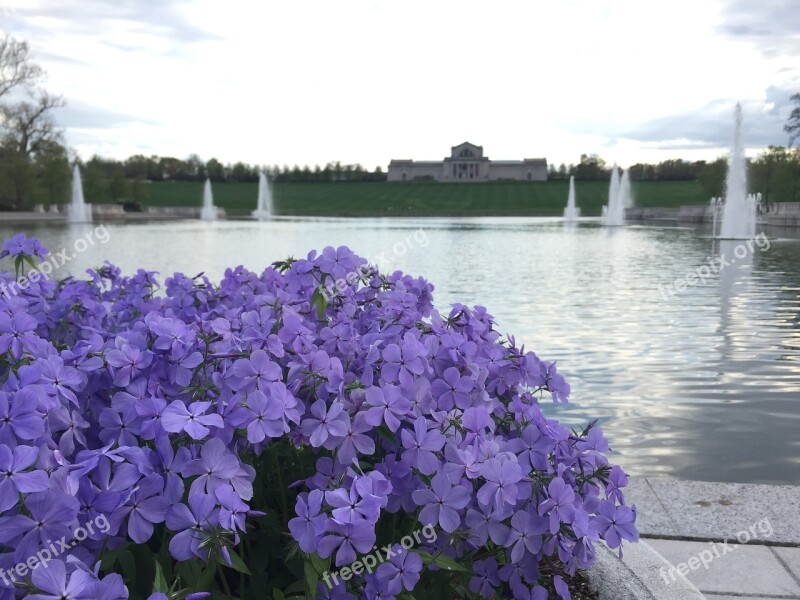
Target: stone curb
(636, 576)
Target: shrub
(272, 438)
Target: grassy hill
(423, 198)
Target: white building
(467, 163)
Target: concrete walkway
(731, 541)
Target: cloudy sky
(307, 82)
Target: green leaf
(298, 587)
(448, 564)
(189, 570)
(320, 301)
(203, 583)
(128, 564)
(441, 561)
(160, 583)
(320, 564)
(277, 594)
(237, 563)
(29, 260)
(312, 578)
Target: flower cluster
(250, 435)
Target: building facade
(467, 163)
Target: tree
(591, 167)
(26, 123)
(29, 124)
(792, 126)
(712, 177)
(95, 185)
(53, 172)
(765, 172)
(16, 177)
(16, 68)
(117, 186)
(215, 170)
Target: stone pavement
(732, 541)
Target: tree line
(593, 168)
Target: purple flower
(215, 467)
(616, 481)
(452, 390)
(526, 534)
(111, 587)
(172, 463)
(52, 581)
(267, 414)
(128, 361)
(532, 448)
(337, 262)
(114, 395)
(502, 477)
(14, 480)
(403, 362)
(485, 579)
(19, 417)
(348, 538)
(191, 522)
(562, 589)
(523, 592)
(62, 379)
(232, 511)
(401, 571)
(17, 334)
(145, 507)
(51, 513)
(151, 410)
(327, 421)
(350, 507)
(441, 503)
(616, 523)
(421, 445)
(20, 244)
(308, 526)
(256, 372)
(121, 428)
(178, 417)
(388, 405)
(487, 522)
(355, 441)
(560, 504)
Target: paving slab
(674, 508)
(727, 597)
(744, 569)
(791, 558)
(636, 576)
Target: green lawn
(423, 199)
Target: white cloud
(367, 80)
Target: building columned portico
(467, 163)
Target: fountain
(739, 210)
(78, 211)
(625, 196)
(572, 212)
(613, 214)
(209, 212)
(715, 204)
(264, 209)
